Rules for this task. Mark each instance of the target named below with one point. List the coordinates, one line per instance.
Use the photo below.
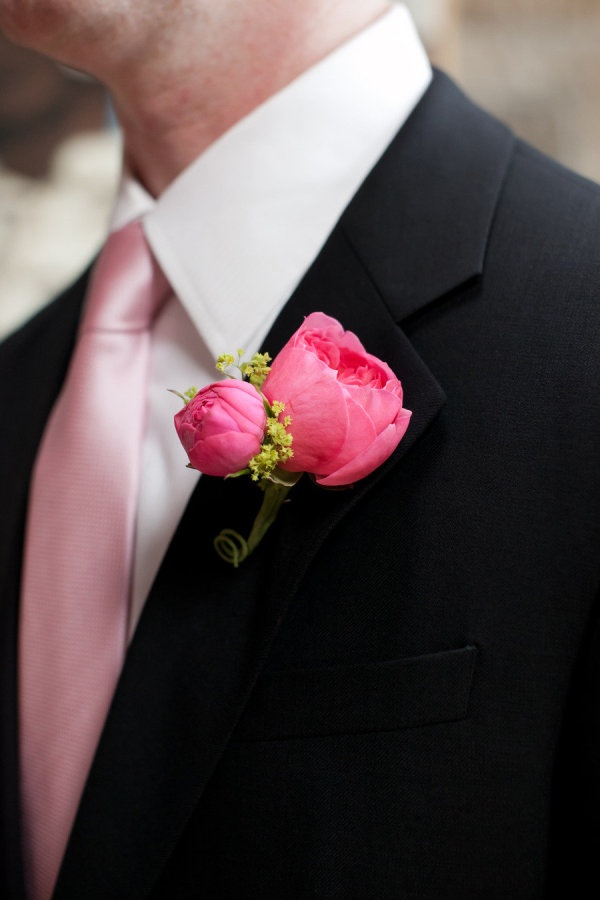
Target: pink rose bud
(222, 428)
(345, 404)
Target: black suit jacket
(396, 696)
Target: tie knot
(127, 286)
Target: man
(396, 695)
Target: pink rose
(345, 405)
(222, 428)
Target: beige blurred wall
(439, 23)
(534, 63)
(58, 169)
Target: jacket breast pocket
(382, 696)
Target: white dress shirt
(237, 230)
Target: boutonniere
(324, 407)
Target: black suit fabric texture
(396, 696)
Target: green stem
(232, 547)
(274, 496)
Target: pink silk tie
(78, 551)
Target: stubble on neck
(175, 100)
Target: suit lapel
(206, 629)
(422, 219)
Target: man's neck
(171, 114)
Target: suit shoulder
(58, 317)
(33, 359)
(546, 228)
(569, 202)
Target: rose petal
(371, 458)
(242, 402)
(321, 323)
(382, 406)
(224, 454)
(360, 434)
(314, 400)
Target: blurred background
(534, 63)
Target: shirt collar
(236, 231)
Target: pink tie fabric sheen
(78, 551)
